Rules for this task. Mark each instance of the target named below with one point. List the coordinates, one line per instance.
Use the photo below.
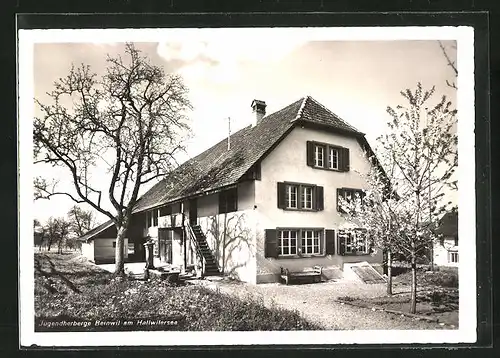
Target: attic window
(327, 156)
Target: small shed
(99, 244)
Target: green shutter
(330, 242)
(271, 243)
(281, 195)
(319, 202)
(310, 153)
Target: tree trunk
(119, 259)
(389, 272)
(413, 301)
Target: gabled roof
(448, 225)
(218, 167)
(89, 235)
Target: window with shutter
(348, 195)
(271, 243)
(354, 242)
(303, 242)
(327, 156)
(296, 196)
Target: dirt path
(317, 303)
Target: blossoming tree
(415, 161)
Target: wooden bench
(313, 275)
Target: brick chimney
(259, 110)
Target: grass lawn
(67, 286)
(437, 295)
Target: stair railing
(192, 237)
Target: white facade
(446, 254)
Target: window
(228, 201)
(300, 196)
(152, 218)
(327, 156)
(291, 196)
(353, 242)
(333, 158)
(287, 242)
(348, 195)
(453, 257)
(114, 244)
(306, 198)
(319, 151)
(310, 242)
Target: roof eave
(187, 197)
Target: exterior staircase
(211, 267)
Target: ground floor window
(299, 242)
(310, 242)
(353, 242)
(287, 242)
(453, 257)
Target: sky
(357, 80)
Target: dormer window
(327, 156)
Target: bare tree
(56, 232)
(131, 121)
(81, 220)
(419, 155)
(39, 233)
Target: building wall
(104, 250)
(288, 162)
(88, 250)
(441, 255)
(231, 236)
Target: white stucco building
(267, 200)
